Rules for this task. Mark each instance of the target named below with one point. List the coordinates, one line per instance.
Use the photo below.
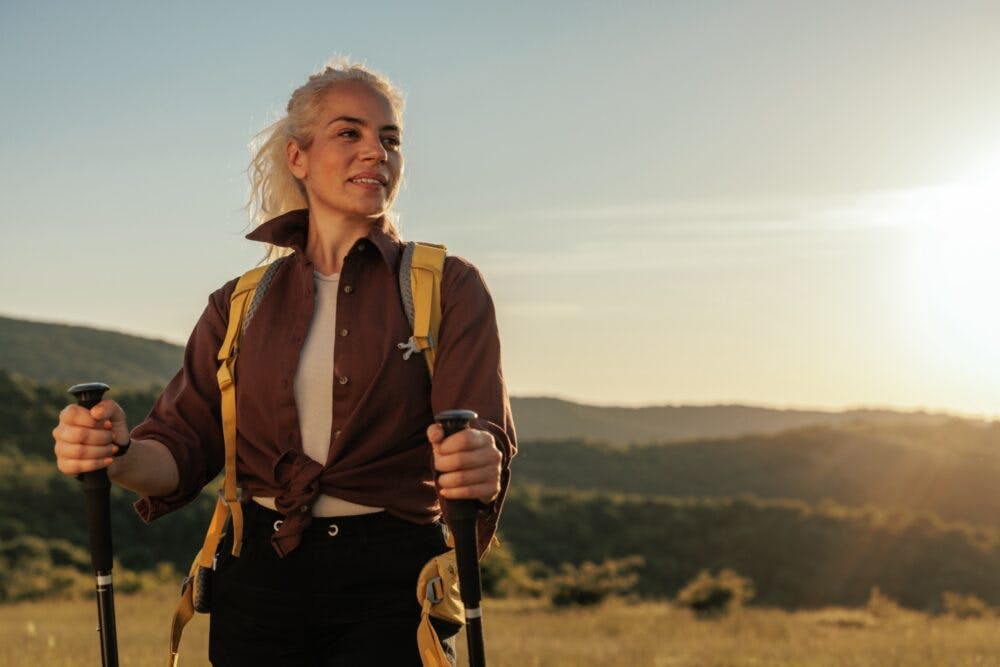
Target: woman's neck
(331, 237)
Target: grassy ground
(530, 634)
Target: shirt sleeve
(468, 373)
(186, 416)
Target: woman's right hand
(87, 439)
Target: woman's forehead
(357, 99)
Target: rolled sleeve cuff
(150, 508)
(488, 518)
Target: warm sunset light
(735, 265)
(953, 268)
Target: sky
(790, 204)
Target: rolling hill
(64, 355)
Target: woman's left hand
(468, 463)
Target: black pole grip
(453, 421)
(97, 498)
(96, 489)
(462, 516)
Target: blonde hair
(274, 190)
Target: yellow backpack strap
(242, 303)
(420, 275)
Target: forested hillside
(815, 515)
(797, 554)
(66, 355)
(951, 468)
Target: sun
(953, 265)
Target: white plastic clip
(409, 347)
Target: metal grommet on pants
(332, 530)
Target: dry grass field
(531, 634)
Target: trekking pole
(462, 517)
(97, 494)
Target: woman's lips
(369, 184)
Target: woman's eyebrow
(359, 121)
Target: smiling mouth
(370, 180)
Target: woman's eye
(350, 134)
(394, 142)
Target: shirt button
(343, 332)
(361, 246)
(348, 289)
(336, 433)
(342, 379)
(304, 509)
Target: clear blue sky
(781, 203)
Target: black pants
(345, 596)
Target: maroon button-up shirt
(382, 404)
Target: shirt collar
(291, 229)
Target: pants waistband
(259, 520)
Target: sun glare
(953, 266)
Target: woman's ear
(297, 160)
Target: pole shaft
(106, 620)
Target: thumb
(111, 417)
(435, 433)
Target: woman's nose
(374, 150)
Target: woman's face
(354, 164)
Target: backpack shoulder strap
(420, 275)
(249, 291)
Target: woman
(333, 421)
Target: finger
(79, 435)
(435, 433)
(108, 410)
(70, 467)
(463, 478)
(464, 440)
(484, 493)
(70, 451)
(470, 458)
(77, 415)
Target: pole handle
(453, 421)
(96, 488)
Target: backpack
(421, 270)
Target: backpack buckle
(434, 590)
(409, 347)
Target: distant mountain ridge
(540, 418)
(65, 354)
